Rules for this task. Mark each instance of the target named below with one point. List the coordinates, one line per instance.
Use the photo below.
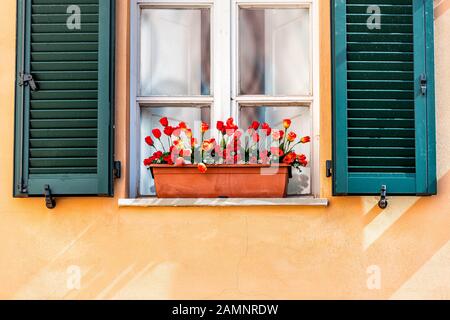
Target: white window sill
(291, 202)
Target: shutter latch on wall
(383, 203)
(27, 79)
(117, 170)
(50, 202)
(423, 84)
(329, 164)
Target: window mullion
(221, 65)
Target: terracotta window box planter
(221, 181)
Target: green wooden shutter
(384, 127)
(64, 128)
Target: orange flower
(287, 123)
(182, 125)
(305, 139)
(205, 127)
(202, 168)
(178, 144)
(291, 137)
(208, 145)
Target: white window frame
(224, 100)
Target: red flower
(230, 122)
(290, 158)
(182, 125)
(168, 130)
(230, 127)
(266, 128)
(301, 158)
(164, 122)
(202, 168)
(168, 159)
(205, 127)
(157, 133)
(281, 134)
(149, 141)
(305, 139)
(220, 126)
(287, 123)
(291, 137)
(148, 162)
(255, 125)
(158, 154)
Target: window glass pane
(175, 52)
(274, 52)
(150, 116)
(300, 184)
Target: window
(384, 118)
(208, 60)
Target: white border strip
(231, 202)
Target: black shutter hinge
(423, 84)
(22, 187)
(50, 202)
(383, 203)
(117, 170)
(27, 79)
(329, 168)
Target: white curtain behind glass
(274, 52)
(171, 57)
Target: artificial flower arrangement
(259, 144)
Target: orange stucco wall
(221, 253)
